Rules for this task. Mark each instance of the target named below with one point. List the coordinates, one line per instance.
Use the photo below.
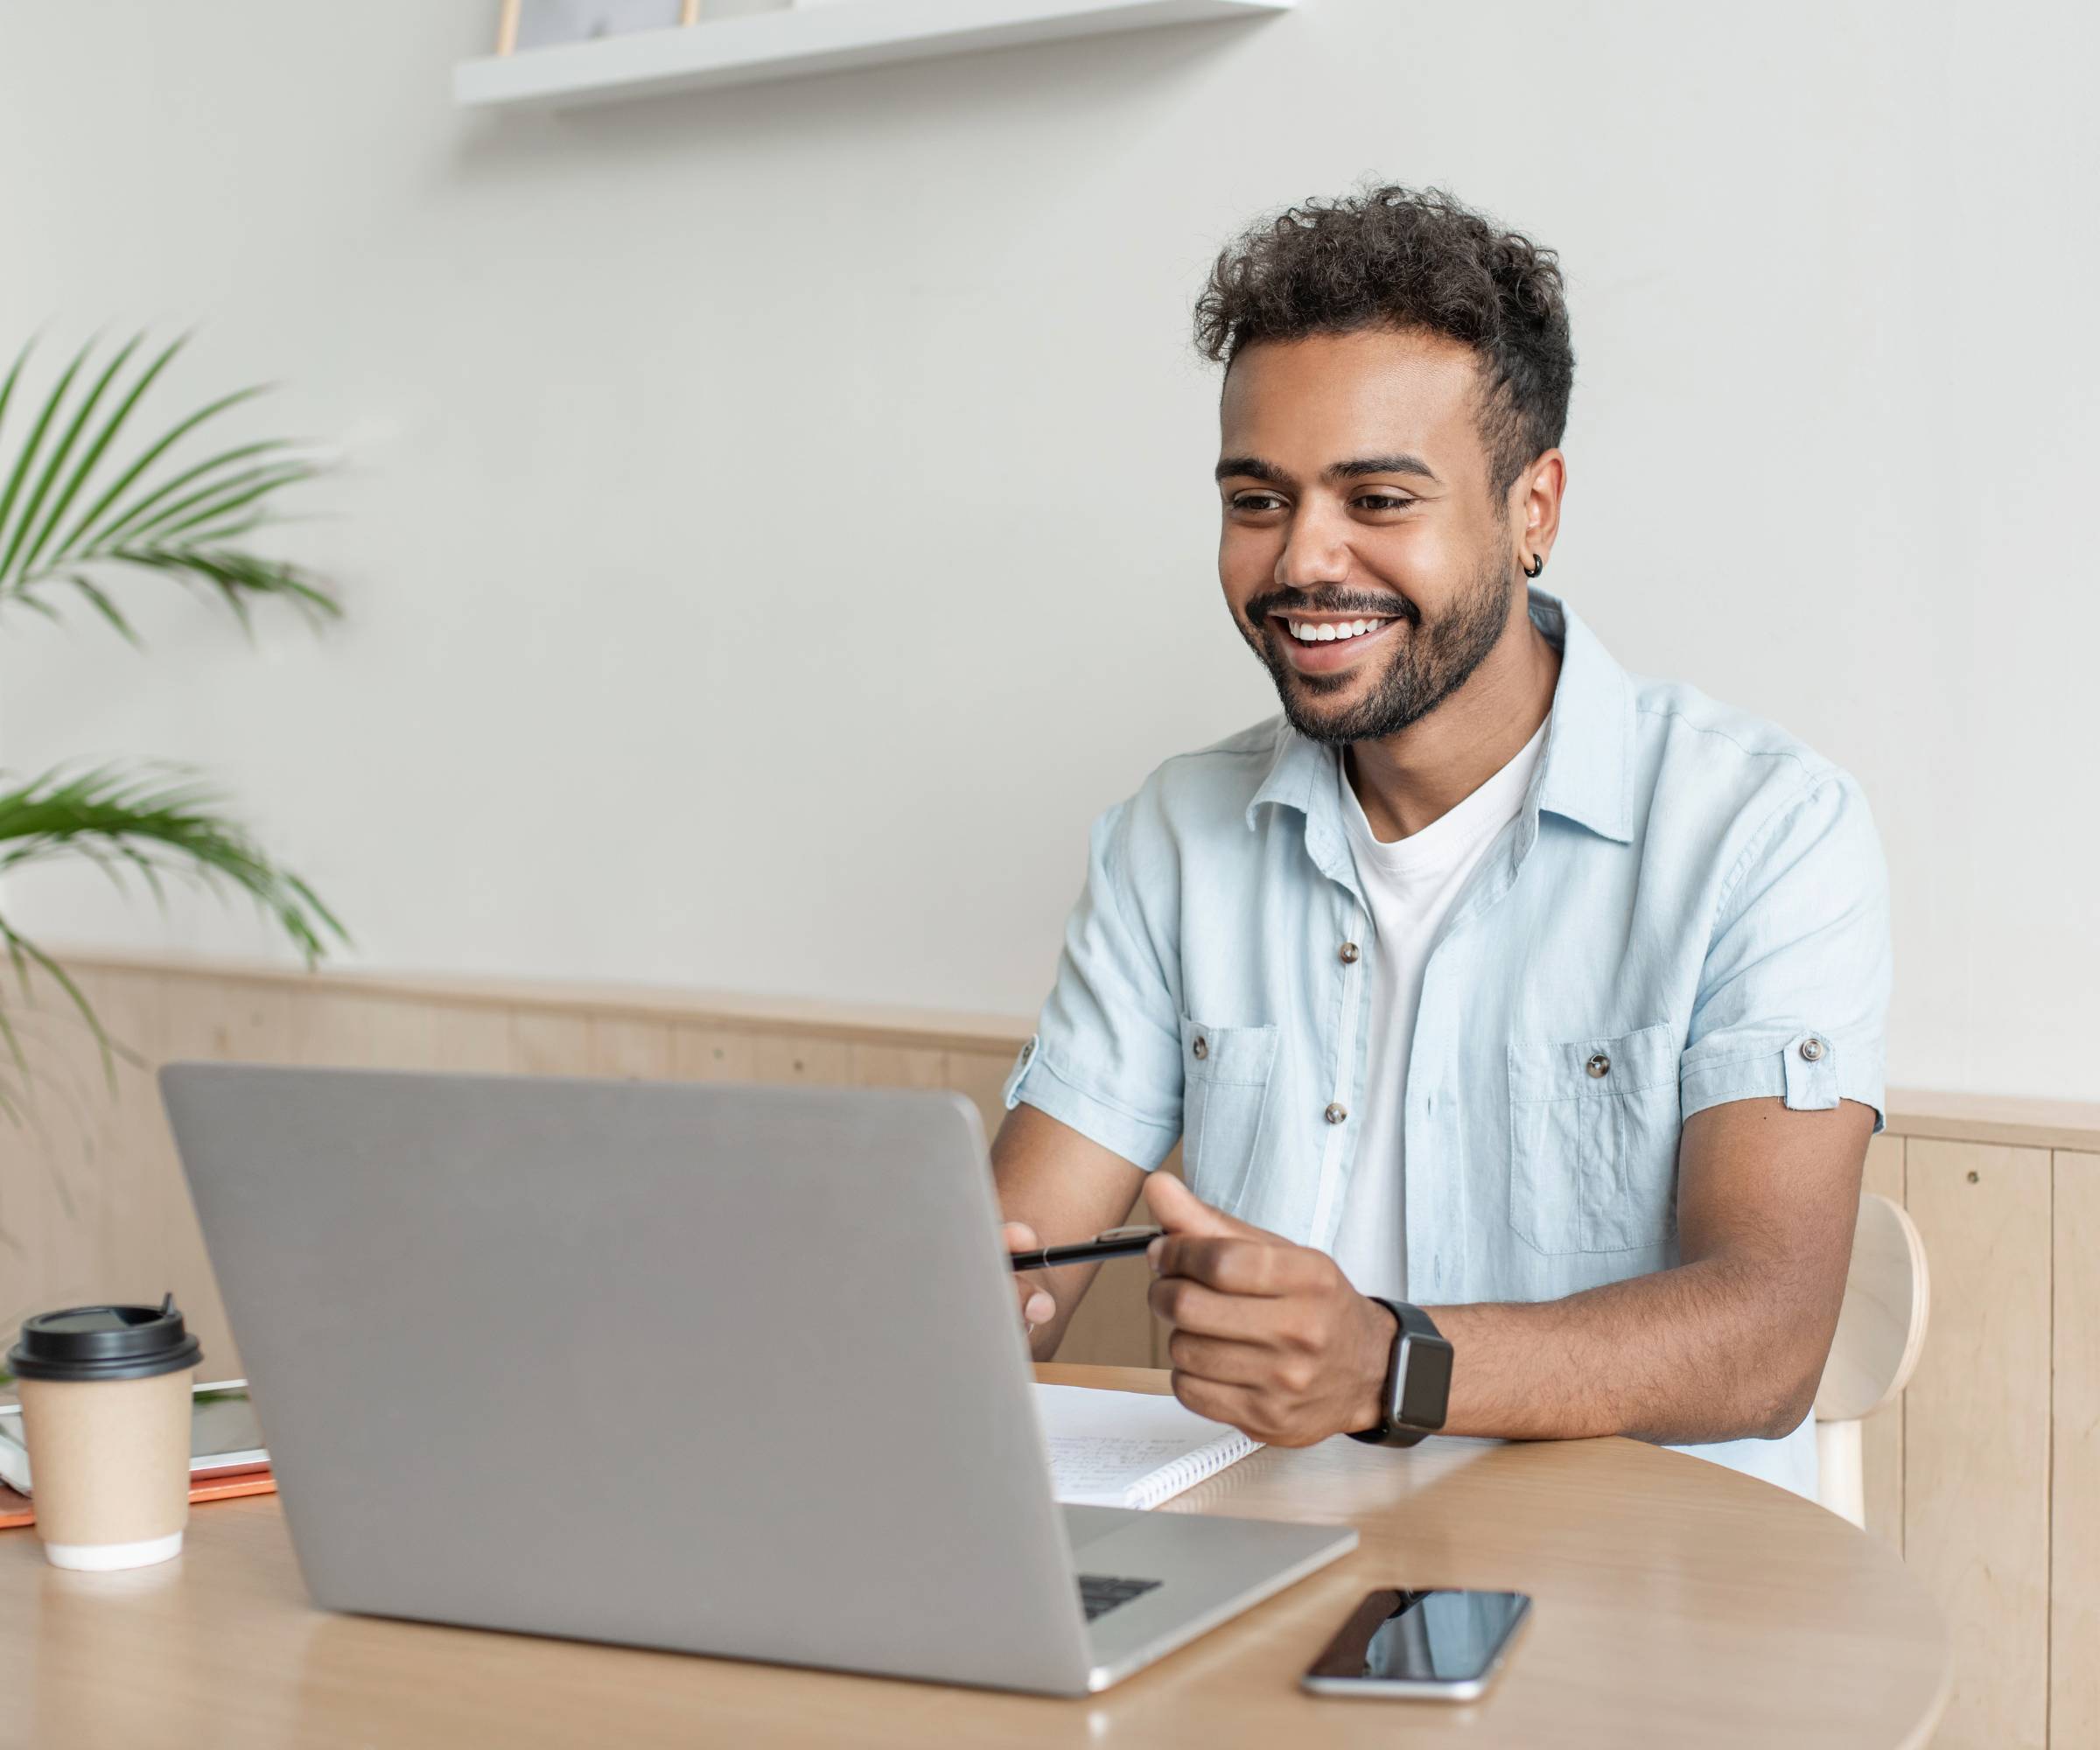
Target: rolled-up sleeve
(1793, 998)
(1106, 1054)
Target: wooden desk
(1677, 1603)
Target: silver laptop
(721, 1369)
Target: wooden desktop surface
(1677, 1603)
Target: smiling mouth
(1308, 631)
(1329, 629)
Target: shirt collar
(1585, 774)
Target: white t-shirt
(1411, 883)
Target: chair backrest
(1881, 1329)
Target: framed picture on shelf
(548, 24)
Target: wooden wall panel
(143, 1192)
(2074, 1467)
(700, 1053)
(220, 1022)
(352, 1030)
(548, 1042)
(1977, 1433)
(800, 1057)
(981, 1075)
(630, 1050)
(890, 1066)
(59, 1205)
(477, 1037)
(1882, 1434)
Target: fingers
(1037, 1308)
(1217, 1361)
(1190, 1306)
(1236, 1266)
(1231, 1404)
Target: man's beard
(1429, 663)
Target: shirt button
(1598, 1065)
(1350, 953)
(1811, 1048)
(1201, 1047)
(1337, 1112)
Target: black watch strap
(1418, 1380)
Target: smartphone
(1443, 1645)
(225, 1439)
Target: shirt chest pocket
(1226, 1073)
(1593, 1131)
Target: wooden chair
(1880, 1330)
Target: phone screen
(223, 1421)
(1423, 1637)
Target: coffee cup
(106, 1395)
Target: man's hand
(1268, 1336)
(1037, 1308)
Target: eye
(1256, 501)
(1385, 502)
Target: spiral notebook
(1127, 1449)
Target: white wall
(782, 516)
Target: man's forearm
(1716, 1350)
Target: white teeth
(1310, 631)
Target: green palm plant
(80, 514)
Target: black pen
(1116, 1243)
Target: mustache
(1290, 602)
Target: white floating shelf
(825, 38)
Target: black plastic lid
(104, 1342)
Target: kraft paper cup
(106, 1408)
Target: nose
(1316, 547)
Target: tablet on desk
(225, 1438)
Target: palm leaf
(103, 606)
(98, 522)
(102, 439)
(159, 515)
(161, 819)
(21, 952)
(154, 821)
(95, 530)
(55, 468)
(7, 388)
(165, 516)
(209, 502)
(27, 460)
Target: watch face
(1425, 1382)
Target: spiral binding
(1191, 1469)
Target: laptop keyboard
(1100, 1593)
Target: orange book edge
(18, 1510)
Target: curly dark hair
(1407, 258)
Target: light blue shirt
(1691, 908)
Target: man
(1494, 994)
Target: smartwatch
(1418, 1380)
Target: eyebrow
(1255, 468)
